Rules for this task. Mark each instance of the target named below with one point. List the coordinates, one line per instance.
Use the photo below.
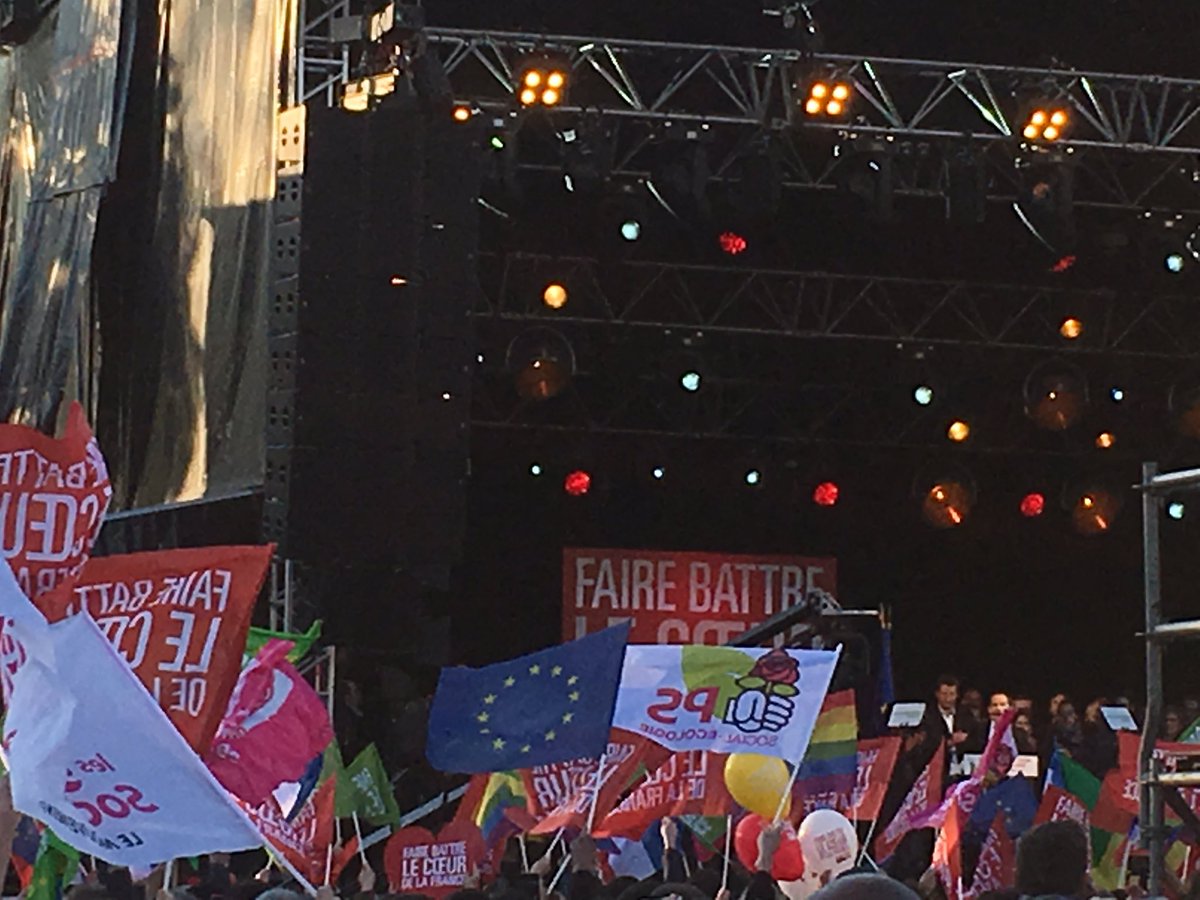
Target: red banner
(305, 840)
(1059, 805)
(416, 862)
(53, 495)
(876, 760)
(626, 762)
(179, 618)
(685, 598)
(689, 783)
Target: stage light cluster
(1046, 124)
(827, 99)
(542, 84)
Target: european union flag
(546, 707)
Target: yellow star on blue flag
(547, 707)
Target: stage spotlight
(958, 431)
(923, 394)
(542, 80)
(753, 477)
(535, 470)
(732, 243)
(690, 381)
(1055, 396)
(1175, 510)
(1045, 124)
(462, 113)
(830, 99)
(658, 473)
(1174, 263)
(1117, 394)
(1071, 328)
(1105, 440)
(542, 363)
(947, 503)
(1033, 505)
(577, 483)
(826, 493)
(555, 296)
(631, 229)
(1093, 510)
(621, 217)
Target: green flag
(258, 637)
(1191, 734)
(55, 866)
(370, 791)
(332, 765)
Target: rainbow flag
(830, 767)
(499, 804)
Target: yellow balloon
(757, 782)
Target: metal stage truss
(921, 312)
(1134, 138)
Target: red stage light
(1064, 263)
(825, 494)
(1032, 505)
(577, 483)
(732, 242)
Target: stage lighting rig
(824, 97)
(1046, 123)
(1056, 396)
(946, 499)
(1093, 509)
(542, 80)
(541, 362)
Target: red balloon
(788, 864)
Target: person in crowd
(1023, 733)
(946, 724)
(972, 704)
(1098, 745)
(1173, 724)
(998, 705)
(865, 887)
(1191, 710)
(1052, 861)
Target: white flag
(724, 699)
(93, 755)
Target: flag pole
(169, 875)
(284, 863)
(867, 841)
(328, 862)
(524, 852)
(728, 839)
(597, 784)
(358, 834)
(559, 874)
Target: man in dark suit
(945, 723)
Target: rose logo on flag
(765, 702)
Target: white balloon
(829, 844)
(801, 889)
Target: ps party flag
(542, 708)
(724, 699)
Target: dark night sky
(1005, 602)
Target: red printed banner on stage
(416, 862)
(688, 783)
(685, 598)
(53, 495)
(179, 618)
(876, 760)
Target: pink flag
(924, 796)
(997, 860)
(274, 725)
(997, 759)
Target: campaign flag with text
(924, 796)
(53, 496)
(374, 798)
(875, 763)
(996, 867)
(275, 724)
(688, 783)
(304, 840)
(93, 755)
(544, 707)
(724, 699)
(179, 618)
(627, 760)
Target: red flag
(53, 496)
(304, 842)
(688, 783)
(179, 618)
(1059, 805)
(947, 852)
(923, 798)
(876, 761)
(273, 728)
(626, 762)
(996, 867)
(1117, 805)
